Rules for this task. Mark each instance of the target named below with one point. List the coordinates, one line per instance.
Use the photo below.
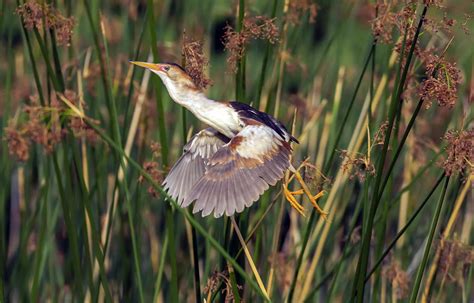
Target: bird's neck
(192, 100)
(213, 113)
(184, 94)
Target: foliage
(378, 94)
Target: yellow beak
(152, 66)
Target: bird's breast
(220, 117)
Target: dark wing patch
(190, 167)
(240, 172)
(246, 111)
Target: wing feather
(240, 171)
(190, 167)
(220, 199)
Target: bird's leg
(311, 197)
(290, 195)
(307, 192)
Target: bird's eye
(166, 68)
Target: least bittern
(227, 166)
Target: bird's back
(247, 112)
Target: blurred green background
(78, 223)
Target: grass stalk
(427, 250)
(449, 226)
(161, 268)
(69, 226)
(240, 76)
(195, 258)
(349, 109)
(96, 34)
(312, 218)
(34, 68)
(365, 249)
(192, 220)
(266, 58)
(158, 92)
(193, 241)
(249, 259)
(93, 214)
(402, 230)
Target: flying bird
(227, 166)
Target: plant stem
(367, 235)
(192, 220)
(434, 224)
(312, 218)
(404, 228)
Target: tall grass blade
(429, 241)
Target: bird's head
(179, 84)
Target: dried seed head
(155, 149)
(455, 256)
(80, 129)
(443, 79)
(387, 21)
(313, 176)
(398, 278)
(35, 15)
(298, 8)
(153, 169)
(357, 166)
(195, 62)
(379, 136)
(460, 150)
(259, 27)
(283, 265)
(18, 145)
(214, 282)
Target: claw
(304, 190)
(296, 192)
(289, 195)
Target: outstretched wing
(241, 171)
(190, 167)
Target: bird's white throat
(218, 115)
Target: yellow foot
(305, 190)
(290, 196)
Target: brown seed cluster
(35, 15)
(379, 136)
(442, 77)
(195, 62)
(398, 278)
(298, 8)
(259, 27)
(313, 176)
(441, 85)
(81, 129)
(283, 269)
(46, 126)
(387, 21)
(216, 279)
(455, 257)
(357, 166)
(18, 145)
(153, 169)
(42, 127)
(435, 25)
(460, 151)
